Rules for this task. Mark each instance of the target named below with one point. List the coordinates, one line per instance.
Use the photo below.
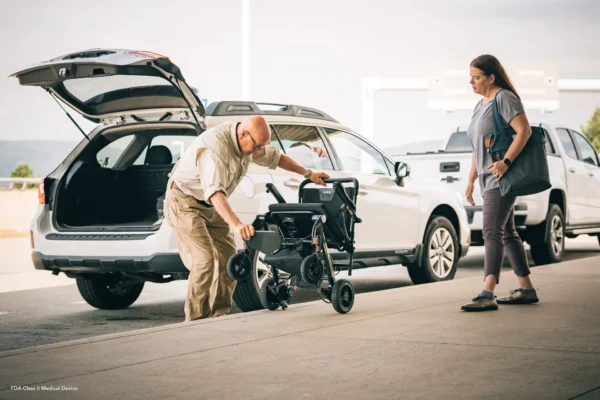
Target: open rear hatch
(105, 85)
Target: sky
(313, 52)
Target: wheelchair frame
(310, 254)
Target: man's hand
(317, 177)
(498, 169)
(469, 194)
(246, 231)
(224, 210)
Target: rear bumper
(161, 263)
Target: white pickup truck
(568, 209)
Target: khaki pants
(205, 244)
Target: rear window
(133, 149)
(458, 143)
(85, 89)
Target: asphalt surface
(44, 315)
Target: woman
(489, 79)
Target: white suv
(100, 213)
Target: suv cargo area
(118, 182)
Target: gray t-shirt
(481, 124)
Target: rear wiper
(68, 115)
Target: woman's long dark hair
(490, 65)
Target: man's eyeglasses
(257, 147)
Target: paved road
(38, 308)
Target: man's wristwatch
(307, 174)
(507, 162)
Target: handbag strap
(498, 120)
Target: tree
(23, 170)
(592, 131)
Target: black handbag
(528, 173)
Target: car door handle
(572, 169)
(292, 183)
(362, 192)
(590, 174)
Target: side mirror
(402, 171)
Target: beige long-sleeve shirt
(214, 163)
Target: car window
(302, 143)
(459, 143)
(549, 145)
(357, 155)
(567, 142)
(588, 154)
(176, 144)
(109, 155)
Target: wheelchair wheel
(311, 270)
(239, 266)
(267, 298)
(342, 296)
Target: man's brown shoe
(518, 297)
(480, 303)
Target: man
(196, 207)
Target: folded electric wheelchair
(296, 238)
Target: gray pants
(499, 233)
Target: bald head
(258, 128)
(253, 132)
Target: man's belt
(201, 202)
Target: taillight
(41, 193)
(32, 239)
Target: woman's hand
(469, 194)
(498, 169)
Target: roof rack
(223, 108)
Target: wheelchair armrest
(264, 241)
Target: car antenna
(68, 115)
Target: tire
(311, 270)
(239, 267)
(342, 296)
(551, 251)
(247, 293)
(266, 297)
(437, 265)
(108, 292)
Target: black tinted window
(567, 143)
(549, 145)
(588, 154)
(459, 142)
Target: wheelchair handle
(339, 189)
(341, 180)
(354, 181)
